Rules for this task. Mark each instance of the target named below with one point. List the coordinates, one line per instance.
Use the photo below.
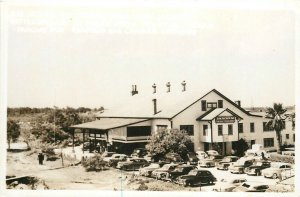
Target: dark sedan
(196, 177)
(178, 171)
(257, 167)
(132, 164)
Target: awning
(108, 123)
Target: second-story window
(252, 128)
(220, 130)
(230, 129)
(211, 105)
(220, 103)
(205, 128)
(188, 128)
(203, 105)
(241, 128)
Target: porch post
(107, 140)
(83, 139)
(73, 134)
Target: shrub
(95, 163)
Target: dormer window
(211, 105)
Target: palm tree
(277, 121)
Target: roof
(169, 104)
(108, 123)
(213, 113)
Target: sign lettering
(225, 119)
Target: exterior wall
(156, 122)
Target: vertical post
(73, 134)
(107, 140)
(83, 139)
(95, 144)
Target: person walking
(41, 158)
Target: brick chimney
(238, 103)
(168, 87)
(134, 91)
(155, 106)
(183, 86)
(154, 88)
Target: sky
(91, 56)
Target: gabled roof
(108, 123)
(213, 113)
(169, 105)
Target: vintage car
(178, 171)
(225, 162)
(212, 152)
(240, 165)
(162, 172)
(201, 154)
(276, 169)
(251, 187)
(132, 164)
(114, 156)
(257, 167)
(228, 185)
(139, 152)
(207, 163)
(173, 158)
(216, 158)
(196, 177)
(192, 158)
(147, 171)
(113, 162)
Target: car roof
(255, 183)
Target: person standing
(41, 158)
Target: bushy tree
(241, 147)
(95, 163)
(13, 132)
(166, 141)
(277, 122)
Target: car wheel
(258, 173)
(208, 165)
(226, 168)
(241, 171)
(275, 176)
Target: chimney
(134, 91)
(154, 88)
(168, 87)
(183, 86)
(155, 106)
(238, 103)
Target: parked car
(212, 152)
(228, 185)
(289, 153)
(192, 158)
(251, 187)
(113, 162)
(195, 177)
(88, 146)
(201, 154)
(114, 156)
(178, 171)
(240, 165)
(276, 169)
(173, 157)
(148, 158)
(107, 154)
(207, 163)
(257, 167)
(257, 154)
(132, 164)
(216, 158)
(162, 172)
(147, 171)
(139, 152)
(225, 162)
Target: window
(240, 128)
(252, 142)
(211, 105)
(220, 103)
(287, 136)
(203, 105)
(138, 131)
(161, 127)
(268, 142)
(283, 124)
(220, 130)
(230, 130)
(293, 137)
(267, 127)
(205, 128)
(188, 128)
(252, 128)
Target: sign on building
(225, 119)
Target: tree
(13, 132)
(166, 141)
(277, 122)
(241, 147)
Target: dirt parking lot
(75, 177)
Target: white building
(209, 118)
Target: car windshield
(246, 185)
(259, 164)
(193, 172)
(180, 169)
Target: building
(209, 119)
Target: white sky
(71, 56)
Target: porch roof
(108, 123)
